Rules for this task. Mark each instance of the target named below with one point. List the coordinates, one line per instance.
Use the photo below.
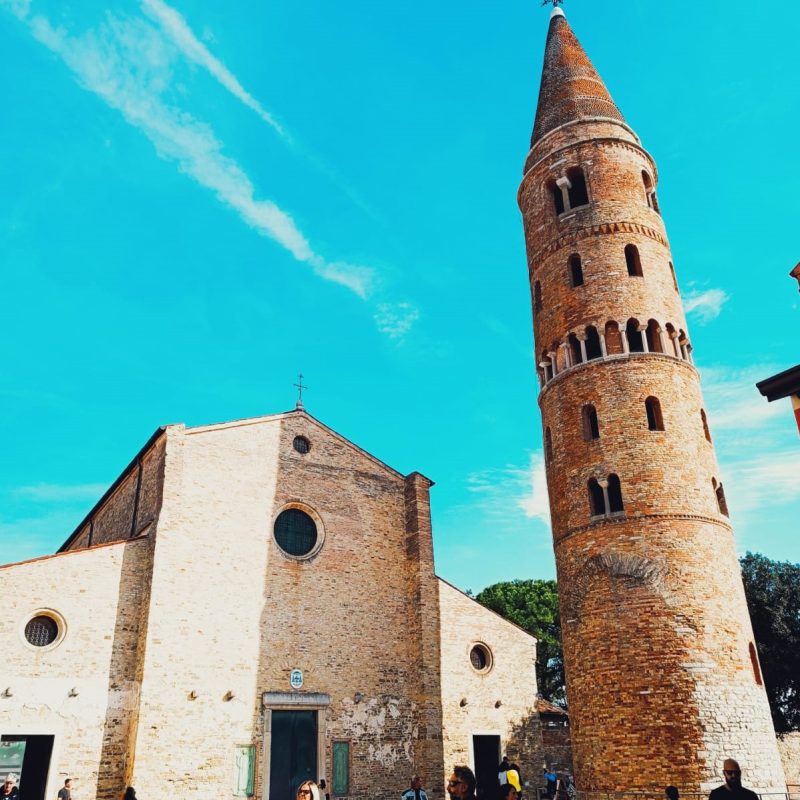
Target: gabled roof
(546, 707)
(571, 88)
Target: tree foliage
(533, 605)
(773, 597)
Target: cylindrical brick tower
(663, 679)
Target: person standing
(9, 788)
(732, 789)
(65, 792)
(416, 792)
(501, 771)
(550, 779)
(461, 784)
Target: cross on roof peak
(299, 386)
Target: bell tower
(663, 678)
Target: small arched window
(633, 261)
(613, 338)
(649, 191)
(654, 337)
(706, 431)
(754, 662)
(719, 493)
(597, 500)
(575, 349)
(615, 505)
(537, 296)
(557, 195)
(592, 343)
(673, 340)
(635, 343)
(548, 446)
(578, 195)
(591, 428)
(655, 422)
(575, 270)
(674, 279)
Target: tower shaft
(663, 680)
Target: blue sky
(202, 199)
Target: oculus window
(296, 533)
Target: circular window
(41, 631)
(295, 532)
(301, 444)
(480, 657)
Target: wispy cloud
(705, 305)
(175, 26)
(396, 319)
(128, 64)
(61, 493)
(513, 492)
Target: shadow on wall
(524, 747)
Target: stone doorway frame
(293, 701)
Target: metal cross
(299, 386)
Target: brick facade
(657, 637)
(183, 626)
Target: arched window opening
(578, 195)
(548, 446)
(655, 422)
(682, 344)
(635, 343)
(649, 191)
(615, 505)
(575, 271)
(597, 500)
(575, 348)
(722, 503)
(613, 338)
(654, 337)
(756, 666)
(591, 429)
(672, 337)
(674, 279)
(537, 296)
(592, 343)
(706, 431)
(558, 196)
(633, 261)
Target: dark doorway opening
(487, 758)
(293, 752)
(35, 752)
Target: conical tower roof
(571, 89)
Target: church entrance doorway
(28, 757)
(293, 752)
(486, 750)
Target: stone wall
(84, 690)
(500, 700)
(789, 747)
(131, 506)
(231, 615)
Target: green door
(293, 753)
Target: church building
(250, 605)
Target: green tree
(773, 597)
(533, 605)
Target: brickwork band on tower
(663, 678)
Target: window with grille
(480, 658)
(301, 444)
(295, 532)
(41, 631)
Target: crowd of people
(462, 786)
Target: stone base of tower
(661, 684)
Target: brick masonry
(187, 613)
(656, 631)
